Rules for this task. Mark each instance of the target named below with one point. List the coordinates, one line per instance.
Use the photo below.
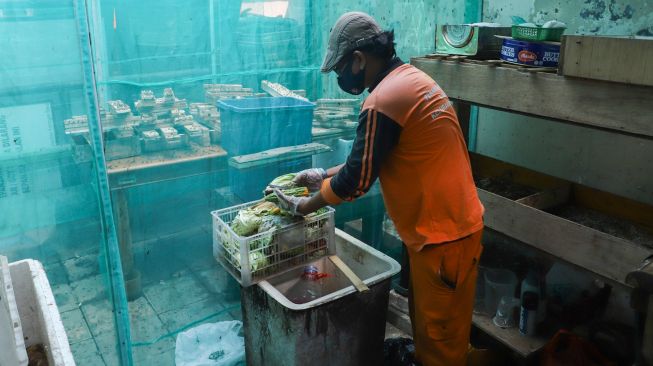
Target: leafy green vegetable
(248, 220)
(265, 208)
(285, 181)
(321, 211)
(257, 260)
(268, 223)
(246, 223)
(297, 192)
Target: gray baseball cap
(351, 31)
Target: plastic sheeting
(212, 344)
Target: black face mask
(350, 83)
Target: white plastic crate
(257, 257)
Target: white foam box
(29, 315)
(12, 345)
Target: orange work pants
(441, 299)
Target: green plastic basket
(537, 33)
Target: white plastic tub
(341, 327)
(39, 320)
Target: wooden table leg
(131, 276)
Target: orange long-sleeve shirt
(409, 137)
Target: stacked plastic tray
(538, 33)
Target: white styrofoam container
(39, 316)
(12, 345)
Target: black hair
(381, 46)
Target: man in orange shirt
(409, 137)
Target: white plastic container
(341, 327)
(254, 258)
(12, 345)
(499, 282)
(40, 322)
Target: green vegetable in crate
(265, 208)
(294, 252)
(274, 222)
(246, 223)
(257, 260)
(268, 223)
(297, 192)
(248, 220)
(228, 241)
(284, 181)
(320, 211)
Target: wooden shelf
(523, 345)
(605, 255)
(622, 108)
(614, 107)
(165, 165)
(618, 107)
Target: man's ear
(359, 61)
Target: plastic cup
(505, 316)
(498, 283)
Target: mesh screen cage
(123, 125)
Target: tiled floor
(182, 287)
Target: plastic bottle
(308, 288)
(532, 283)
(528, 313)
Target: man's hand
(311, 178)
(294, 205)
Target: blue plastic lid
(245, 105)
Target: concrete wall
(611, 162)
(412, 20)
(606, 17)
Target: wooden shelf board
(607, 256)
(163, 158)
(523, 345)
(617, 107)
(165, 165)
